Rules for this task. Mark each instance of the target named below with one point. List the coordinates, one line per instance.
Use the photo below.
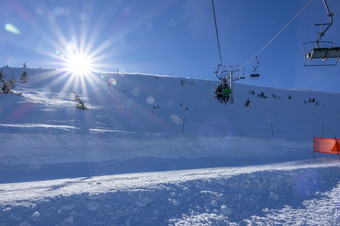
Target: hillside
(147, 123)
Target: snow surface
(161, 150)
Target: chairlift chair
(254, 75)
(239, 78)
(329, 52)
(326, 52)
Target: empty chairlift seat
(324, 53)
(254, 75)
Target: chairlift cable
(265, 46)
(218, 40)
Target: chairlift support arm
(330, 15)
(257, 64)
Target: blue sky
(171, 37)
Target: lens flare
(177, 120)
(136, 91)
(150, 100)
(112, 81)
(11, 28)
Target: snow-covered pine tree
(23, 77)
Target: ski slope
(160, 150)
(285, 193)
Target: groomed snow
(284, 193)
(161, 150)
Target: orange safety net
(327, 145)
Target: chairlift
(239, 78)
(254, 74)
(224, 91)
(328, 50)
(324, 53)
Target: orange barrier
(327, 145)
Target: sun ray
(70, 82)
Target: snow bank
(294, 192)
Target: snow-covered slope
(144, 123)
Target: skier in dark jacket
(218, 93)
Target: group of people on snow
(223, 92)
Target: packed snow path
(286, 193)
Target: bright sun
(79, 64)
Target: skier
(218, 93)
(225, 92)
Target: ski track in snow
(218, 196)
(37, 125)
(120, 145)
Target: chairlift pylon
(328, 50)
